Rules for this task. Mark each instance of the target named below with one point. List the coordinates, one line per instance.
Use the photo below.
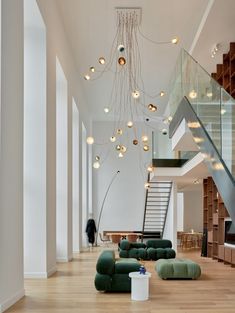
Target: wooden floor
(71, 289)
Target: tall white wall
(11, 149)
(124, 205)
(170, 231)
(58, 45)
(193, 210)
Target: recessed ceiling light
(96, 165)
(106, 110)
(223, 111)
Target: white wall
(11, 161)
(193, 210)
(170, 231)
(124, 206)
(58, 45)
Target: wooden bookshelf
(225, 73)
(214, 213)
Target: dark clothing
(91, 230)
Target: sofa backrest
(126, 245)
(106, 262)
(159, 243)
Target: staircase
(209, 112)
(156, 206)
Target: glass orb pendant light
(87, 77)
(119, 131)
(135, 94)
(135, 142)
(146, 148)
(145, 138)
(96, 165)
(123, 149)
(121, 61)
(120, 155)
(129, 124)
(90, 140)
(121, 48)
(102, 60)
(112, 138)
(147, 185)
(118, 147)
(92, 69)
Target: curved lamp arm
(102, 206)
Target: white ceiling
(219, 28)
(91, 24)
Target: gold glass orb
(135, 142)
(175, 40)
(119, 131)
(145, 138)
(121, 61)
(193, 94)
(146, 148)
(135, 94)
(150, 106)
(112, 138)
(118, 147)
(162, 93)
(87, 77)
(90, 140)
(123, 149)
(92, 69)
(154, 108)
(97, 158)
(102, 60)
(129, 124)
(120, 155)
(147, 185)
(150, 169)
(96, 165)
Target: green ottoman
(177, 268)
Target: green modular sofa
(152, 250)
(112, 274)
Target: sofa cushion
(170, 253)
(177, 268)
(125, 245)
(124, 253)
(103, 282)
(137, 245)
(159, 243)
(139, 253)
(106, 262)
(125, 266)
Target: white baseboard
(40, 274)
(12, 300)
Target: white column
(84, 187)
(63, 168)
(36, 263)
(75, 161)
(11, 149)
(170, 231)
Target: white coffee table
(139, 286)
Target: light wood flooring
(72, 289)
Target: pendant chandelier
(127, 101)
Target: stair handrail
(168, 202)
(145, 206)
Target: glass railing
(213, 105)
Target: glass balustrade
(213, 105)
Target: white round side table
(139, 286)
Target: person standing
(91, 230)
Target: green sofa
(113, 274)
(178, 268)
(153, 250)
